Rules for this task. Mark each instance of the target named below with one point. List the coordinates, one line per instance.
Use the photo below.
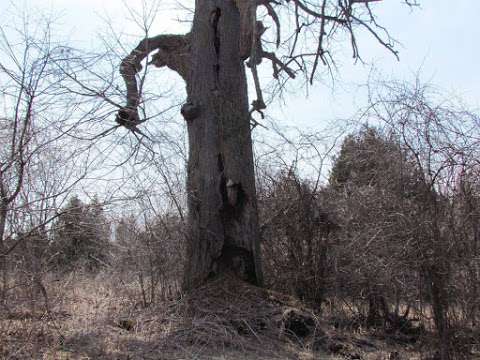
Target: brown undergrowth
(100, 318)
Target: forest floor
(99, 318)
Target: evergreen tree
(371, 158)
(81, 235)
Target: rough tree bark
(223, 229)
(221, 184)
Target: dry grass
(98, 318)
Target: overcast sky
(439, 40)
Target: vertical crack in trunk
(216, 14)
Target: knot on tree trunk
(190, 111)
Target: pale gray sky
(439, 40)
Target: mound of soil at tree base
(227, 313)
(231, 319)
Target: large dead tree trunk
(223, 231)
(221, 185)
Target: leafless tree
(211, 58)
(37, 168)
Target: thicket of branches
(392, 238)
(388, 241)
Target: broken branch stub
(128, 117)
(247, 10)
